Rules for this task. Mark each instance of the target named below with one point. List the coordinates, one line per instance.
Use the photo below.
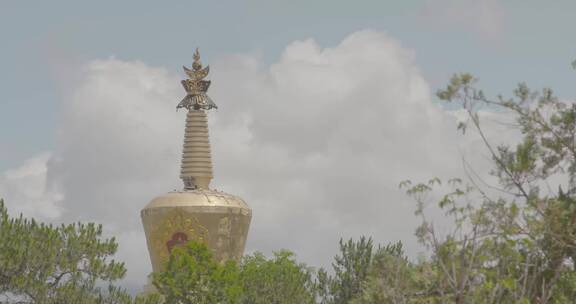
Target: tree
(394, 279)
(518, 246)
(277, 280)
(41, 263)
(193, 276)
(351, 269)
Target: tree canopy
(192, 276)
(42, 263)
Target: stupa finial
(197, 65)
(196, 87)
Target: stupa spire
(196, 168)
(197, 213)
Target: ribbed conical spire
(196, 170)
(196, 160)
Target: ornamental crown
(196, 87)
(195, 83)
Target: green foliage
(394, 279)
(351, 269)
(193, 276)
(277, 280)
(42, 263)
(518, 248)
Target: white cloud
(316, 143)
(118, 139)
(482, 17)
(24, 189)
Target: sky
(324, 107)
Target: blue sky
(533, 41)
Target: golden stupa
(197, 212)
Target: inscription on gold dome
(173, 222)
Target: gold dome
(219, 219)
